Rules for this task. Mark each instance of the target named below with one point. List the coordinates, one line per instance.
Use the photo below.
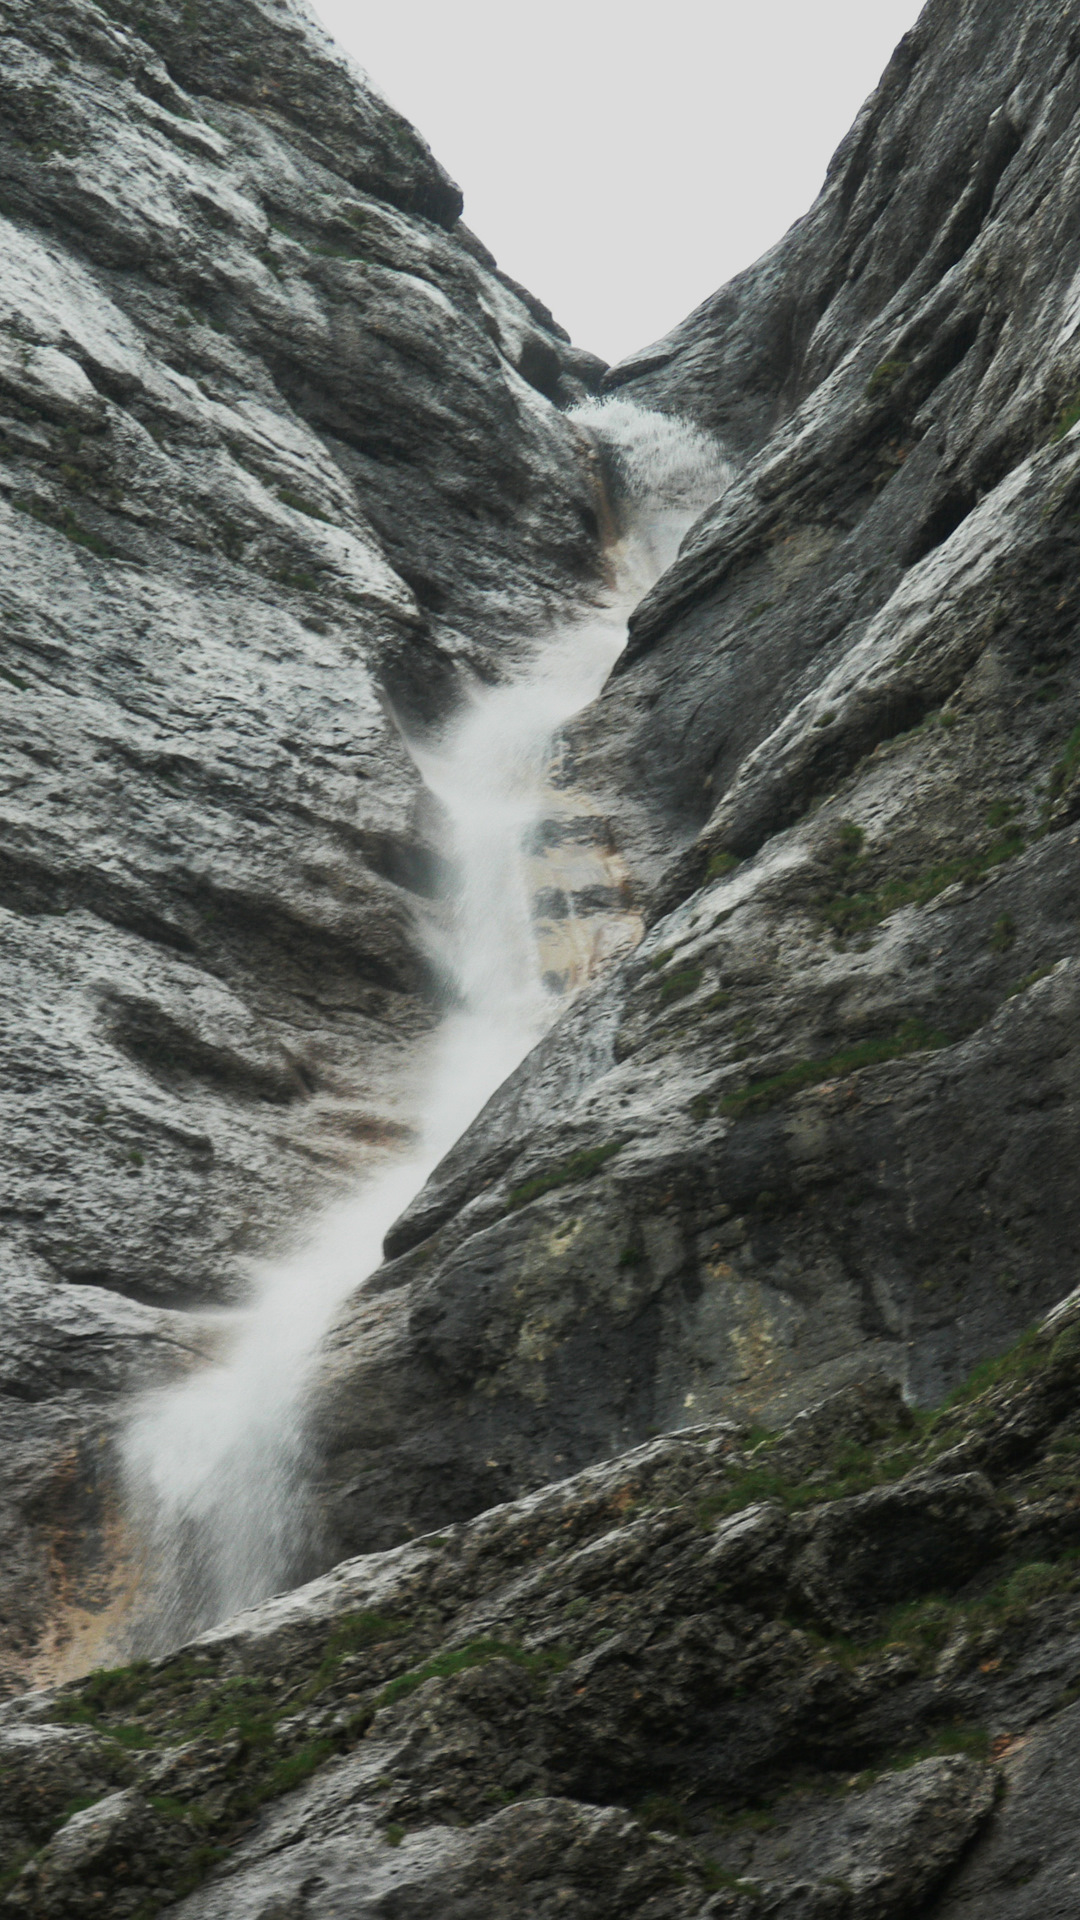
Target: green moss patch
(300, 582)
(67, 524)
(885, 377)
(352, 1634)
(914, 1037)
(852, 1468)
(580, 1166)
(1007, 1369)
(299, 505)
(1067, 418)
(851, 912)
(677, 985)
(1069, 763)
(1029, 980)
(476, 1654)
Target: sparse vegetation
(301, 582)
(914, 1037)
(1067, 418)
(851, 912)
(477, 1653)
(719, 1879)
(369, 1662)
(1009, 1368)
(66, 523)
(678, 985)
(1029, 980)
(1066, 766)
(353, 1633)
(885, 377)
(291, 498)
(580, 1166)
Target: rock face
(276, 441)
(825, 1118)
(720, 1619)
(725, 1674)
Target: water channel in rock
(214, 1464)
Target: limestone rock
(609, 1697)
(276, 437)
(823, 1121)
(42, 1770)
(893, 1543)
(1028, 1863)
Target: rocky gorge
(672, 1559)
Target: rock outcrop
(278, 443)
(825, 1118)
(726, 1674)
(675, 1598)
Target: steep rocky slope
(276, 441)
(280, 442)
(825, 1119)
(828, 1673)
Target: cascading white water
(214, 1464)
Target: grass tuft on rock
(855, 912)
(580, 1166)
(476, 1654)
(914, 1037)
(1067, 418)
(885, 377)
(1068, 764)
(678, 985)
(290, 498)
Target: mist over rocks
(660, 1590)
(274, 453)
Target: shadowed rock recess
(699, 1574)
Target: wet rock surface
(664, 1687)
(280, 449)
(824, 1119)
(276, 439)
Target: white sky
(622, 160)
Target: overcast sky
(623, 160)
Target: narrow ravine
(213, 1465)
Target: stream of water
(214, 1463)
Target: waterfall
(213, 1465)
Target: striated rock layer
(277, 443)
(825, 1119)
(723, 1675)
(282, 450)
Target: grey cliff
(697, 1474)
(278, 450)
(825, 1118)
